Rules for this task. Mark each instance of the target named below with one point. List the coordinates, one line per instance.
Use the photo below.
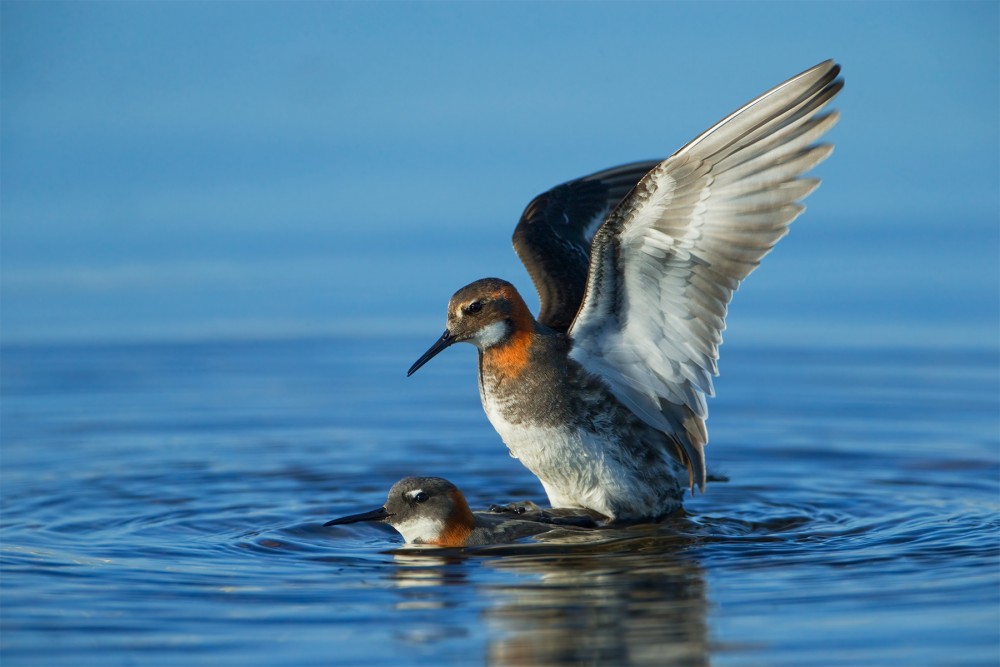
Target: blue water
(163, 503)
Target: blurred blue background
(218, 170)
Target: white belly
(579, 467)
(568, 462)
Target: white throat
(419, 529)
(491, 334)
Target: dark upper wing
(665, 264)
(554, 234)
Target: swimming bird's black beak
(444, 341)
(375, 515)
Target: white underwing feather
(665, 263)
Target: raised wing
(664, 265)
(554, 234)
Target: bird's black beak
(375, 515)
(444, 341)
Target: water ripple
(166, 503)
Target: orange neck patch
(510, 357)
(458, 525)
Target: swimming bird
(603, 396)
(431, 510)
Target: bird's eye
(421, 497)
(474, 307)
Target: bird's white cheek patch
(490, 335)
(421, 528)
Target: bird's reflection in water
(422, 568)
(607, 597)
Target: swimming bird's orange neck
(459, 524)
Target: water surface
(162, 504)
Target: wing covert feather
(555, 231)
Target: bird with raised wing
(603, 397)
